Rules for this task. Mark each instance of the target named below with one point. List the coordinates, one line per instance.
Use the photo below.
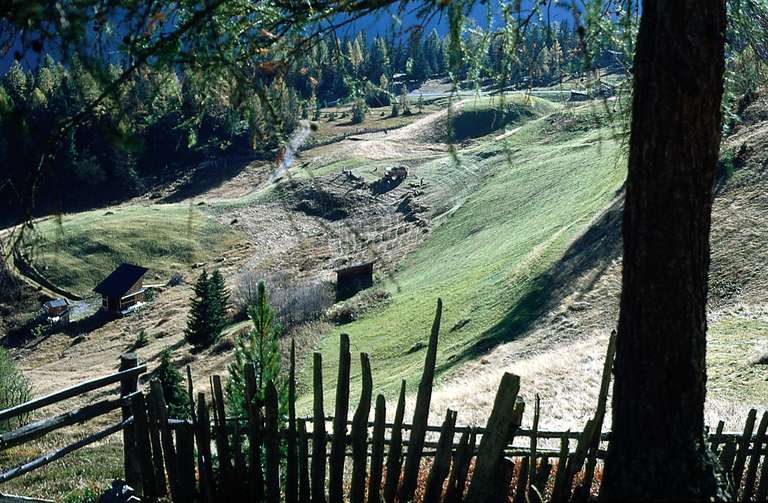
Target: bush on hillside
(294, 303)
(359, 108)
(14, 390)
(351, 309)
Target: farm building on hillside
(56, 310)
(351, 280)
(122, 289)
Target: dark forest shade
(123, 288)
(351, 280)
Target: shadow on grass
(209, 175)
(593, 251)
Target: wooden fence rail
(330, 459)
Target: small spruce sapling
(172, 383)
(261, 348)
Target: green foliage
(172, 382)
(208, 310)
(142, 339)
(358, 111)
(15, 389)
(261, 348)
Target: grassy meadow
(523, 200)
(78, 251)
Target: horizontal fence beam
(60, 453)
(70, 392)
(37, 429)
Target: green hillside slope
(87, 246)
(521, 201)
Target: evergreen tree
(172, 382)
(219, 301)
(262, 349)
(206, 315)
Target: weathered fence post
(395, 454)
(377, 450)
(185, 450)
(129, 385)
(222, 440)
(319, 437)
(502, 424)
(460, 470)
(593, 432)
(304, 488)
(205, 457)
(539, 484)
(161, 486)
(339, 440)
(256, 475)
(749, 481)
(143, 446)
(741, 455)
(169, 451)
(291, 465)
(421, 413)
(442, 463)
(360, 434)
(272, 444)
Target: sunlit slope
(82, 249)
(507, 212)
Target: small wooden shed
(353, 279)
(123, 288)
(57, 310)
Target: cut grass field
(82, 249)
(523, 202)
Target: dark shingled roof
(121, 280)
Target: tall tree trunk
(657, 450)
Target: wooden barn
(122, 289)
(353, 279)
(57, 310)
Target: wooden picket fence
(265, 457)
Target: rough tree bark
(657, 450)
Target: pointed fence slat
(395, 454)
(292, 460)
(255, 473)
(442, 462)
(522, 478)
(561, 474)
(359, 434)
(741, 454)
(505, 418)
(303, 448)
(338, 442)
(460, 470)
(319, 437)
(166, 438)
(272, 445)
(539, 484)
(377, 451)
(421, 413)
(204, 455)
(222, 441)
(143, 446)
(754, 460)
(153, 425)
(185, 450)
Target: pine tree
(262, 349)
(199, 329)
(219, 296)
(172, 383)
